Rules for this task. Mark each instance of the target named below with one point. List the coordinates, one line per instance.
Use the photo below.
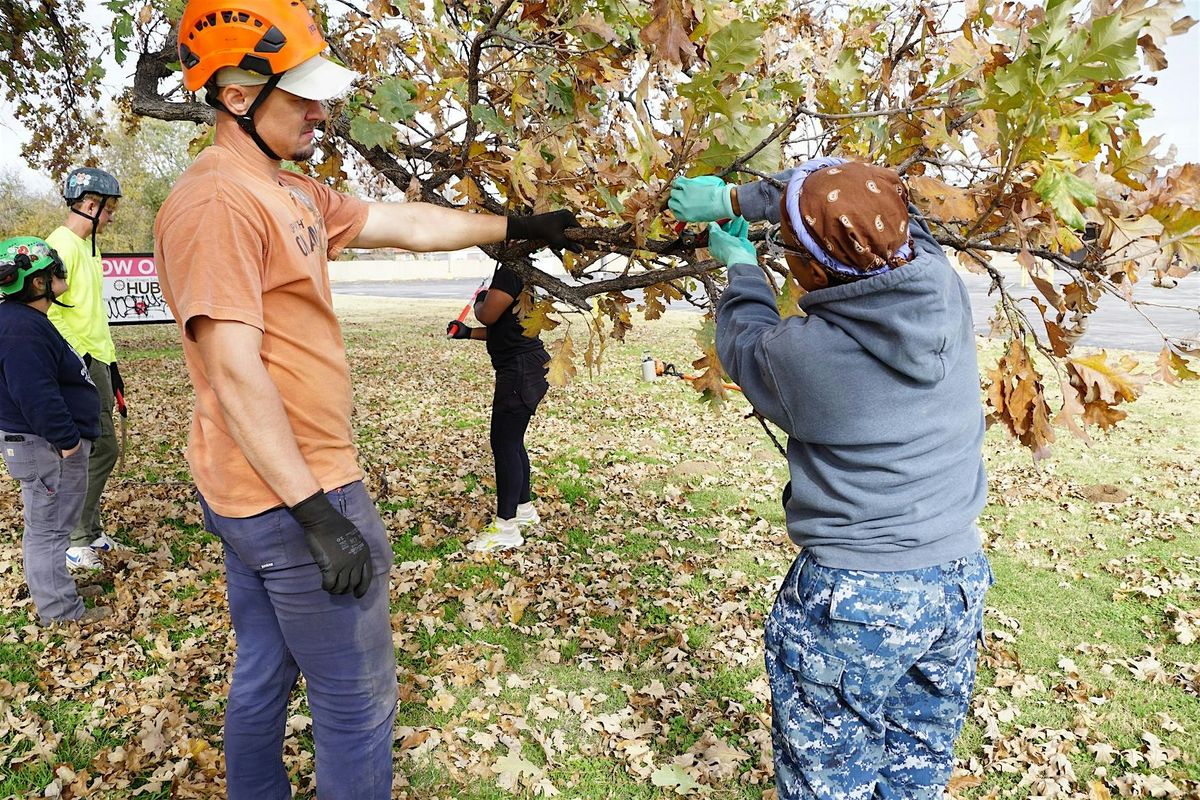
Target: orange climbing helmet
(268, 37)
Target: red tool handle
(121, 407)
(462, 315)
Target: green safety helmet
(22, 257)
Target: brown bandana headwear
(858, 213)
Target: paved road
(1114, 324)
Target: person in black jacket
(49, 416)
(520, 364)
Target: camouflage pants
(871, 675)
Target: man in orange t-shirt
(242, 248)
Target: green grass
(640, 576)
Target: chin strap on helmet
(27, 296)
(95, 220)
(56, 302)
(86, 181)
(246, 121)
(58, 269)
(48, 291)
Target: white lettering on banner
(128, 267)
(131, 290)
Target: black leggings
(512, 461)
(520, 387)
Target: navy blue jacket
(45, 388)
(878, 390)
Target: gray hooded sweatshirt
(878, 391)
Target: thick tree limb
(145, 100)
(640, 280)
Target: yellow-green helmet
(22, 257)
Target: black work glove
(458, 330)
(548, 228)
(118, 384)
(336, 545)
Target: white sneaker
(82, 558)
(502, 534)
(104, 543)
(527, 515)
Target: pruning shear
(681, 239)
(662, 369)
(457, 323)
(462, 315)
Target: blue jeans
(871, 675)
(286, 624)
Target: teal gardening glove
(701, 199)
(729, 243)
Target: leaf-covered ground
(618, 653)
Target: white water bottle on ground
(648, 370)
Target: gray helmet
(89, 180)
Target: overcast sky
(1176, 98)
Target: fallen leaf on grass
(959, 782)
(442, 701)
(511, 770)
(516, 609)
(1104, 493)
(717, 758)
(1185, 624)
(674, 778)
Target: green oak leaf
(371, 132)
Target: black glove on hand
(118, 384)
(336, 545)
(458, 330)
(547, 228)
